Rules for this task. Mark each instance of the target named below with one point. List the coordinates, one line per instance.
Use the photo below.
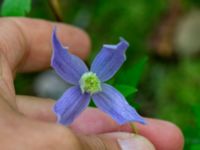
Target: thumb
(115, 141)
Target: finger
(27, 42)
(93, 121)
(36, 108)
(50, 136)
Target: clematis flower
(87, 84)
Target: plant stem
(134, 128)
(56, 9)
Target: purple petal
(70, 105)
(68, 66)
(113, 103)
(109, 60)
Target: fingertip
(174, 135)
(161, 133)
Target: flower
(87, 84)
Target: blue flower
(87, 84)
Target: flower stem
(134, 128)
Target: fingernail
(134, 142)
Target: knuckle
(12, 41)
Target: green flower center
(90, 83)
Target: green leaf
(126, 90)
(15, 7)
(132, 75)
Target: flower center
(90, 83)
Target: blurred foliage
(131, 74)
(15, 7)
(126, 90)
(177, 96)
(169, 88)
(195, 147)
(24, 83)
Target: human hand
(28, 122)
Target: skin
(28, 122)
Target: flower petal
(109, 60)
(67, 66)
(70, 105)
(113, 103)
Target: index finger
(27, 42)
